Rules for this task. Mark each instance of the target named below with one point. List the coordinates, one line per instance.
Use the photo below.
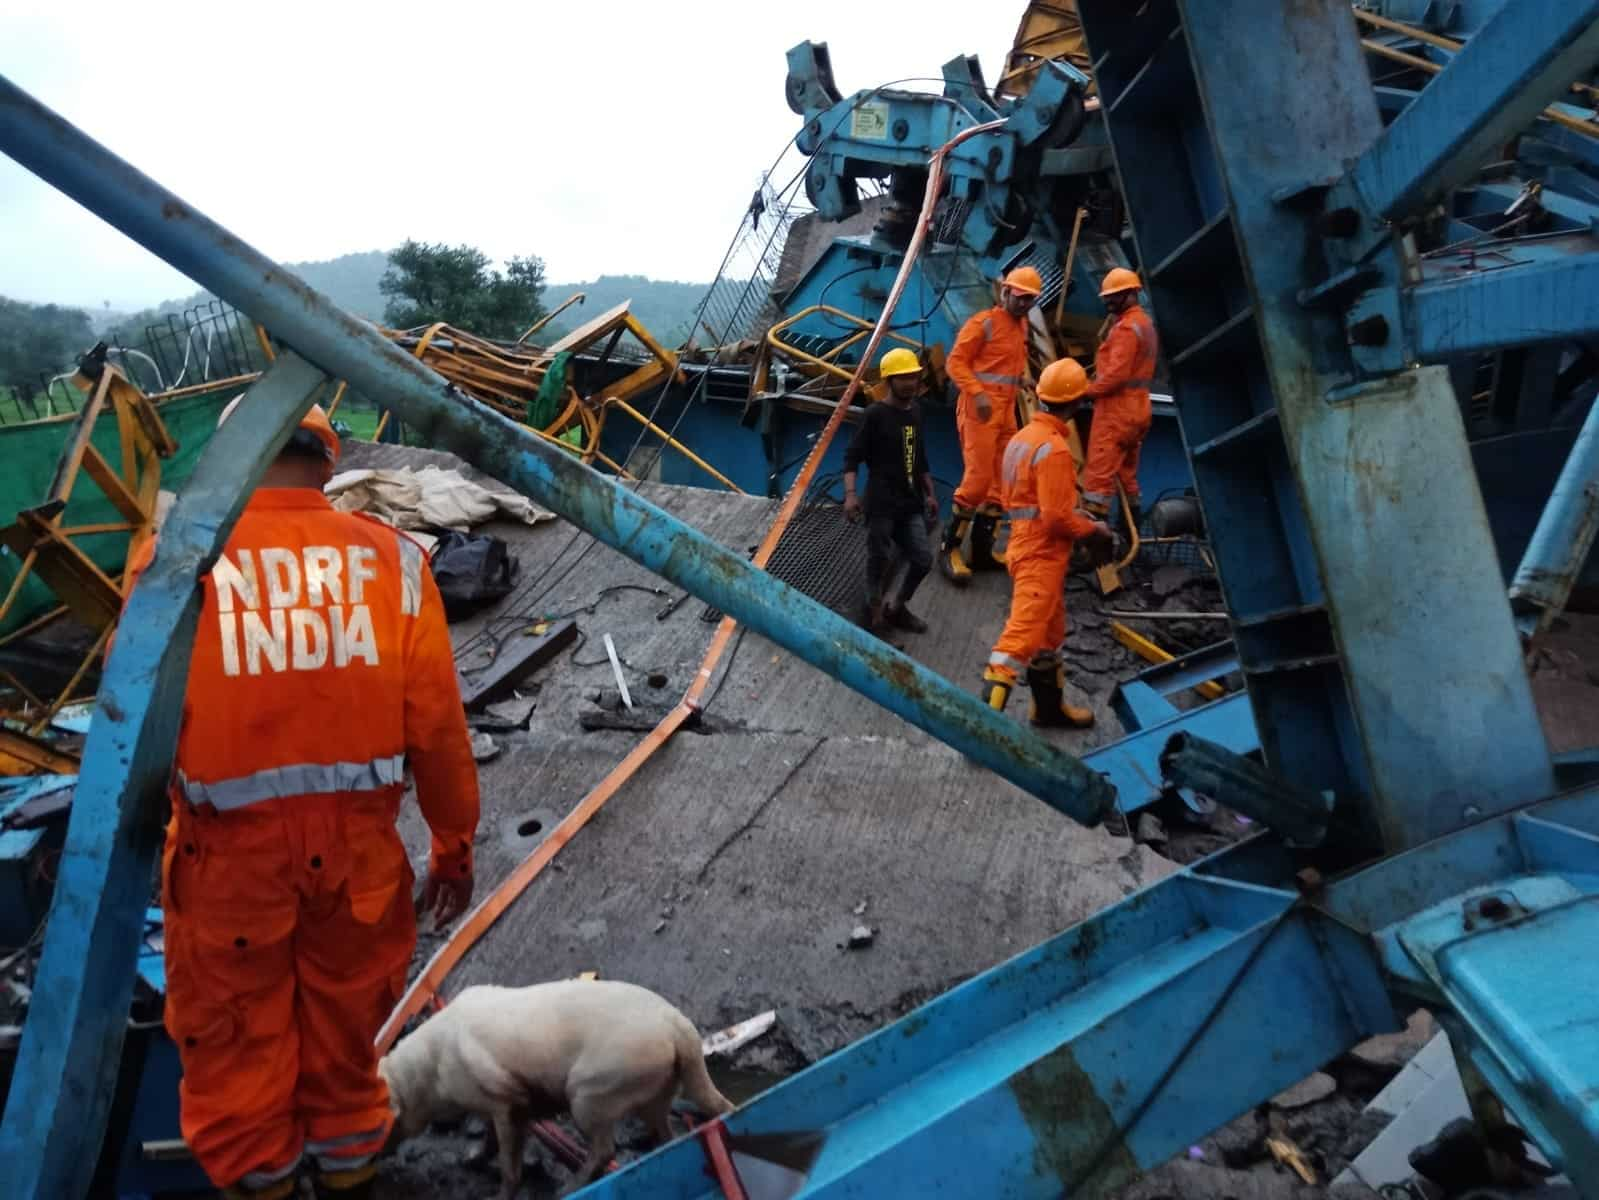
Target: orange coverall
(1124, 367)
(989, 357)
(322, 669)
(1040, 491)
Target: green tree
(39, 340)
(455, 284)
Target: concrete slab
(756, 844)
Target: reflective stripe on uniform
(1042, 452)
(1132, 384)
(988, 328)
(296, 779)
(1029, 513)
(996, 377)
(1096, 498)
(255, 1181)
(350, 1151)
(1000, 659)
(410, 578)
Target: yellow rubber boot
(984, 556)
(950, 561)
(997, 687)
(1047, 681)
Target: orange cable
(425, 988)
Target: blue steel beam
(1521, 60)
(1069, 1069)
(69, 1055)
(1565, 533)
(1490, 927)
(71, 1044)
(1482, 311)
(350, 349)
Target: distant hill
(665, 308)
(351, 281)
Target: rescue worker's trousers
(1114, 443)
(1037, 622)
(906, 534)
(982, 453)
(289, 928)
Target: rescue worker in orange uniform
(1039, 483)
(1124, 368)
(322, 670)
(988, 363)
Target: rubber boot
(997, 687)
(1049, 709)
(983, 556)
(950, 561)
(354, 1184)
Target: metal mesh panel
(823, 555)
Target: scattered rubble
(1310, 1090)
(860, 937)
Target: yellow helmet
(1026, 280)
(1119, 279)
(1063, 381)
(898, 361)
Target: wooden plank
(67, 468)
(115, 488)
(589, 331)
(24, 755)
(519, 655)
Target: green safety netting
(545, 407)
(29, 454)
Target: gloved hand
(445, 898)
(1100, 545)
(984, 407)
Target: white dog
(600, 1050)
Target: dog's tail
(691, 1072)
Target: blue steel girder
(1337, 517)
(880, 131)
(1523, 58)
(61, 1088)
(69, 1060)
(1566, 531)
(1548, 299)
(1069, 1069)
(1489, 926)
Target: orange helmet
(1063, 381)
(1026, 280)
(1119, 279)
(315, 422)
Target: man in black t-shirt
(900, 504)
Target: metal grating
(823, 555)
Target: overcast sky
(608, 138)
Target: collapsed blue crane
(1273, 214)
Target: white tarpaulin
(429, 498)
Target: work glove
(1100, 545)
(984, 407)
